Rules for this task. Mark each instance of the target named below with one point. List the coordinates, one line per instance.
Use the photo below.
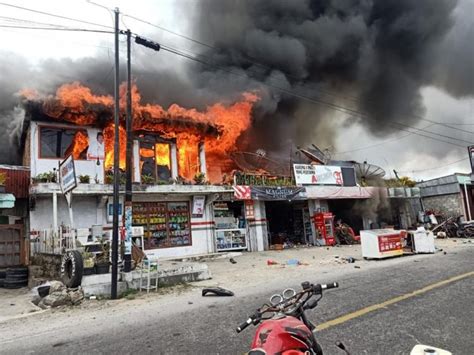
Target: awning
(342, 192)
(7, 201)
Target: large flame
(219, 126)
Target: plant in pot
(89, 263)
(109, 177)
(3, 181)
(102, 260)
(84, 179)
(147, 179)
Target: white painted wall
(87, 210)
(83, 167)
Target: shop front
(276, 216)
(230, 225)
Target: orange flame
(219, 126)
(79, 145)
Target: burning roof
(219, 127)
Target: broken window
(155, 159)
(59, 143)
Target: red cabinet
(324, 224)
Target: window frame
(157, 140)
(58, 127)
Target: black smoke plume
(372, 56)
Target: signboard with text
(306, 174)
(198, 206)
(67, 175)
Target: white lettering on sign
(306, 174)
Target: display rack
(165, 224)
(228, 234)
(231, 239)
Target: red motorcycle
(284, 327)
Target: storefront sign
(306, 174)
(276, 193)
(242, 192)
(67, 175)
(249, 209)
(198, 206)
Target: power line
(435, 168)
(379, 144)
(253, 61)
(319, 101)
(54, 15)
(56, 29)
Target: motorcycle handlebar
(244, 325)
(329, 286)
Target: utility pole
(115, 232)
(128, 184)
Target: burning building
(183, 203)
(177, 154)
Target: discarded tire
(16, 272)
(11, 284)
(2, 282)
(3, 274)
(72, 267)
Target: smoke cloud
(372, 56)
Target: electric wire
(54, 15)
(253, 61)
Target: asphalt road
(442, 317)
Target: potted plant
(109, 177)
(89, 263)
(84, 179)
(200, 179)
(3, 180)
(147, 179)
(102, 262)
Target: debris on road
(232, 261)
(271, 262)
(56, 294)
(216, 291)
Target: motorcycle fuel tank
(282, 335)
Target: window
(61, 142)
(155, 159)
(166, 224)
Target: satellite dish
(258, 163)
(316, 155)
(365, 171)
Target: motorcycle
(284, 327)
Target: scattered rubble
(56, 294)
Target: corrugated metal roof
(18, 180)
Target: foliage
(404, 181)
(49, 176)
(84, 179)
(147, 179)
(109, 177)
(3, 179)
(200, 179)
(263, 180)
(104, 256)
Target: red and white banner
(242, 192)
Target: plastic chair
(149, 271)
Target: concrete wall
(450, 205)
(87, 210)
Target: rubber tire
(72, 268)
(16, 277)
(17, 271)
(15, 284)
(3, 274)
(2, 282)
